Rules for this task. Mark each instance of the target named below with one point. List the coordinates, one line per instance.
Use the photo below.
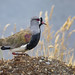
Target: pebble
(49, 59)
(1, 71)
(48, 63)
(45, 69)
(10, 67)
(29, 73)
(40, 60)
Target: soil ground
(26, 65)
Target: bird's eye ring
(37, 19)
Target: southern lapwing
(23, 40)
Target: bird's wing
(18, 39)
(33, 42)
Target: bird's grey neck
(35, 29)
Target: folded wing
(21, 38)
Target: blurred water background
(20, 12)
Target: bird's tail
(5, 47)
(2, 44)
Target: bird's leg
(14, 53)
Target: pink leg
(18, 53)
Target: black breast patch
(34, 41)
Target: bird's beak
(44, 23)
(41, 20)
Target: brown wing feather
(18, 39)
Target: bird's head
(37, 21)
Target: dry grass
(6, 26)
(58, 49)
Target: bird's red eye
(37, 19)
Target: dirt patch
(26, 65)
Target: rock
(48, 63)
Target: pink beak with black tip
(44, 23)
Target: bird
(24, 40)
